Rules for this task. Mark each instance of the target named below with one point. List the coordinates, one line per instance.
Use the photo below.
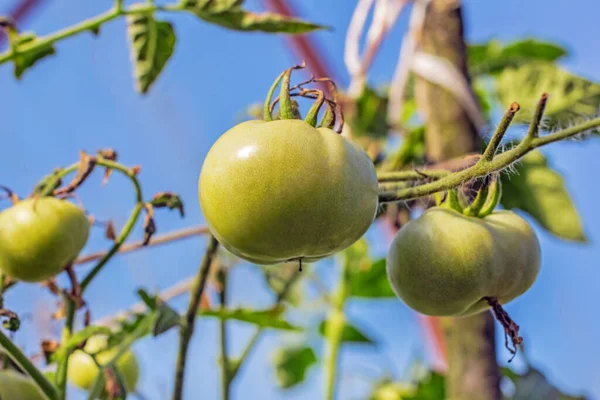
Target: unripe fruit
(83, 372)
(445, 263)
(284, 190)
(39, 237)
(14, 385)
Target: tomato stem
(313, 112)
(23, 361)
(286, 109)
(267, 116)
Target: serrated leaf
(242, 20)
(292, 364)
(78, 338)
(372, 282)
(26, 59)
(270, 318)
(369, 118)
(493, 57)
(349, 334)
(540, 191)
(533, 385)
(152, 44)
(572, 98)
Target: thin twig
(187, 323)
(156, 241)
(225, 364)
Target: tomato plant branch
(63, 364)
(187, 323)
(23, 362)
(482, 168)
(334, 328)
(225, 364)
(91, 24)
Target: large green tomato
(39, 237)
(445, 263)
(284, 190)
(14, 385)
(83, 372)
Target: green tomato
(39, 237)
(444, 263)
(14, 385)
(283, 190)
(83, 371)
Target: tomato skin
(444, 263)
(83, 371)
(39, 237)
(281, 190)
(14, 385)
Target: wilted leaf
(270, 318)
(291, 365)
(493, 57)
(533, 385)
(371, 282)
(229, 14)
(540, 191)
(369, 117)
(571, 99)
(26, 59)
(349, 334)
(152, 44)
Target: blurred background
(83, 99)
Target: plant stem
(225, 365)
(61, 372)
(22, 361)
(334, 328)
(484, 167)
(187, 323)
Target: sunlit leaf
(430, 387)
(77, 338)
(369, 117)
(389, 390)
(349, 334)
(229, 14)
(152, 44)
(540, 191)
(271, 318)
(26, 59)
(493, 57)
(572, 98)
(292, 364)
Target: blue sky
(84, 99)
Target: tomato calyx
(289, 109)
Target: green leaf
(533, 385)
(77, 338)
(540, 191)
(349, 334)
(571, 99)
(411, 151)
(152, 44)
(493, 57)
(271, 318)
(369, 118)
(229, 14)
(26, 59)
(371, 282)
(292, 364)
(166, 319)
(431, 387)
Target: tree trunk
(473, 372)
